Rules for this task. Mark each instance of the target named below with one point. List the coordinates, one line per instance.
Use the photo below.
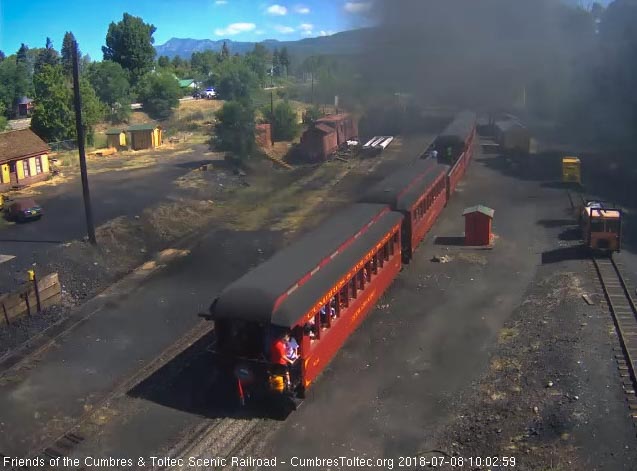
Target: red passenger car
(455, 147)
(417, 191)
(320, 288)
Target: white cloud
(284, 29)
(277, 10)
(326, 33)
(306, 27)
(235, 28)
(358, 7)
(221, 2)
(302, 10)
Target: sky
(31, 21)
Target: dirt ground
(550, 398)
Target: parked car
(210, 93)
(23, 210)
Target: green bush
(285, 125)
(159, 94)
(235, 131)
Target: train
(310, 296)
(601, 226)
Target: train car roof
(460, 127)
(282, 289)
(402, 188)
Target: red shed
(318, 142)
(344, 124)
(477, 225)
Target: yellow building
(116, 138)
(145, 136)
(24, 158)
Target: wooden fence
(24, 301)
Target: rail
(622, 307)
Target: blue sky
(31, 21)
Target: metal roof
(285, 287)
(114, 131)
(402, 188)
(143, 127)
(479, 209)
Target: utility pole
(90, 227)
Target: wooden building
(344, 124)
(477, 221)
(24, 159)
(116, 138)
(318, 142)
(145, 136)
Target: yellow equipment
(277, 383)
(571, 170)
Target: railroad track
(622, 307)
(64, 444)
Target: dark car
(23, 210)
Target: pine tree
(67, 53)
(284, 59)
(225, 52)
(276, 62)
(48, 56)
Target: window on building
(38, 165)
(25, 168)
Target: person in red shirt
(278, 356)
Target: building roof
(479, 209)
(570, 160)
(186, 83)
(324, 128)
(114, 131)
(142, 127)
(284, 288)
(25, 101)
(20, 144)
(406, 185)
(333, 118)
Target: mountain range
(346, 42)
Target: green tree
(284, 60)
(204, 63)
(21, 55)
(8, 84)
(276, 62)
(67, 53)
(111, 85)
(92, 110)
(236, 80)
(284, 121)
(2, 56)
(52, 118)
(225, 51)
(130, 43)
(257, 60)
(159, 93)
(48, 56)
(163, 62)
(3, 119)
(235, 129)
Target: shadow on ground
(564, 253)
(193, 382)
